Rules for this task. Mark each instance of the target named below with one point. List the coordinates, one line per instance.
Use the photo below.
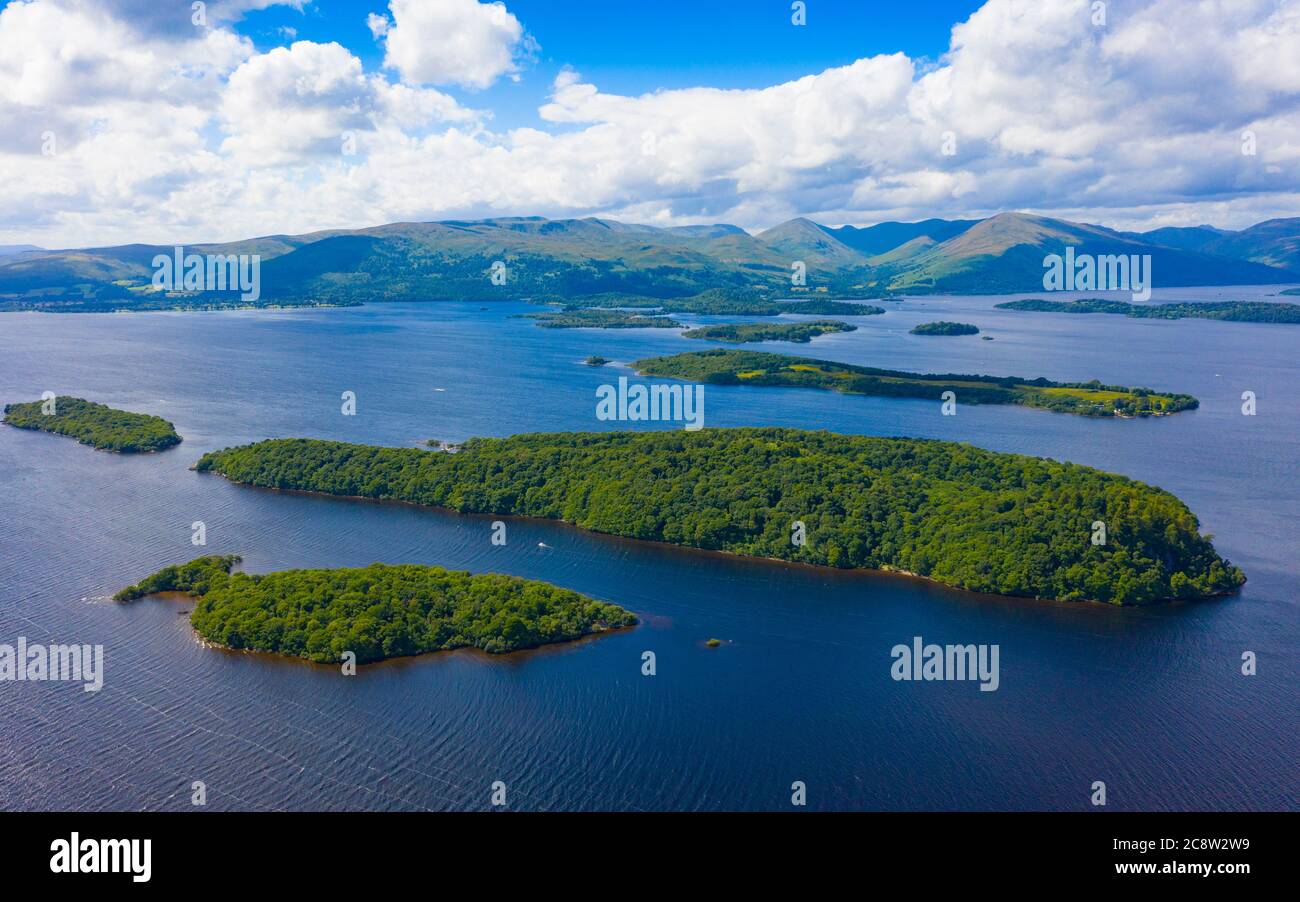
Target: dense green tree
(961, 515)
(96, 425)
(601, 319)
(796, 332)
(735, 367)
(376, 612)
(944, 327)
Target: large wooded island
(1089, 399)
(960, 515)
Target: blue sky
(731, 43)
(125, 120)
(630, 47)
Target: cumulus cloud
(444, 42)
(99, 117)
(178, 17)
(378, 25)
(313, 100)
(196, 135)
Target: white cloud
(444, 42)
(306, 100)
(99, 119)
(193, 135)
(378, 25)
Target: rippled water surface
(1151, 700)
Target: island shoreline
(292, 660)
(868, 572)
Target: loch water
(1149, 700)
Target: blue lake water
(1151, 701)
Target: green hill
(1004, 254)
(572, 258)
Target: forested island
(1090, 399)
(717, 302)
(96, 425)
(748, 332)
(601, 319)
(376, 612)
(943, 327)
(960, 515)
(1231, 311)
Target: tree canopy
(944, 327)
(736, 367)
(963, 516)
(376, 612)
(748, 332)
(95, 424)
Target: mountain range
(570, 258)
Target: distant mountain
(887, 236)
(717, 230)
(1005, 253)
(1189, 238)
(7, 249)
(570, 258)
(1275, 242)
(425, 261)
(803, 239)
(904, 252)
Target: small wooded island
(1090, 399)
(943, 327)
(959, 515)
(95, 424)
(376, 612)
(601, 319)
(1230, 311)
(747, 332)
